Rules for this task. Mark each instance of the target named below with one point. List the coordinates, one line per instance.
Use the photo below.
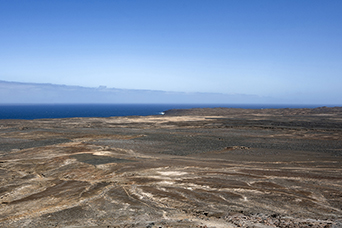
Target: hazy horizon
(245, 51)
(47, 93)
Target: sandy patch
(172, 173)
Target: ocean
(42, 111)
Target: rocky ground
(188, 168)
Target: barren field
(188, 168)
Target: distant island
(17, 92)
(40, 93)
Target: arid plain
(188, 168)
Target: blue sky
(282, 49)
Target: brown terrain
(188, 168)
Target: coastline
(42, 111)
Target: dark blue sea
(42, 111)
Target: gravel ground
(188, 168)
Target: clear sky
(283, 48)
